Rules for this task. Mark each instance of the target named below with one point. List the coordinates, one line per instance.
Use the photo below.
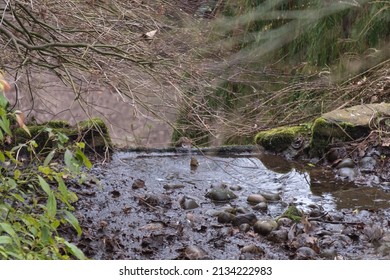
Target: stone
(244, 219)
(256, 198)
(264, 227)
(221, 194)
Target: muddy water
(136, 212)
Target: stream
(157, 205)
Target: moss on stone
(279, 139)
(325, 132)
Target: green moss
(325, 132)
(56, 124)
(93, 132)
(293, 213)
(279, 139)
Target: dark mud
(138, 210)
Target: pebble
(251, 249)
(278, 236)
(221, 194)
(188, 203)
(305, 253)
(284, 221)
(367, 164)
(195, 253)
(256, 198)
(225, 218)
(271, 196)
(262, 206)
(244, 219)
(347, 173)
(236, 188)
(347, 162)
(245, 227)
(264, 227)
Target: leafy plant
(35, 202)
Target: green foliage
(35, 202)
(313, 31)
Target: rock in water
(264, 227)
(221, 194)
(256, 198)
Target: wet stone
(264, 227)
(244, 219)
(284, 221)
(245, 227)
(278, 236)
(188, 203)
(225, 218)
(194, 253)
(256, 198)
(367, 164)
(328, 254)
(305, 253)
(347, 173)
(271, 196)
(221, 194)
(262, 206)
(347, 162)
(252, 249)
(236, 188)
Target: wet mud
(234, 206)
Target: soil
(137, 211)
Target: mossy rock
(280, 138)
(325, 132)
(94, 133)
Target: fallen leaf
(149, 35)
(20, 119)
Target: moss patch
(325, 132)
(279, 139)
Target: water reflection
(295, 182)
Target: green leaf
(84, 159)
(4, 124)
(45, 235)
(49, 157)
(18, 197)
(70, 161)
(3, 101)
(62, 138)
(73, 221)
(75, 251)
(5, 239)
(44, 185)
(2, 156)
(51, 206)
(9, 230)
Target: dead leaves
(20, 120)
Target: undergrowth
(35, 202)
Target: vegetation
(219, 77)
(287, 62)
(35, 202)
